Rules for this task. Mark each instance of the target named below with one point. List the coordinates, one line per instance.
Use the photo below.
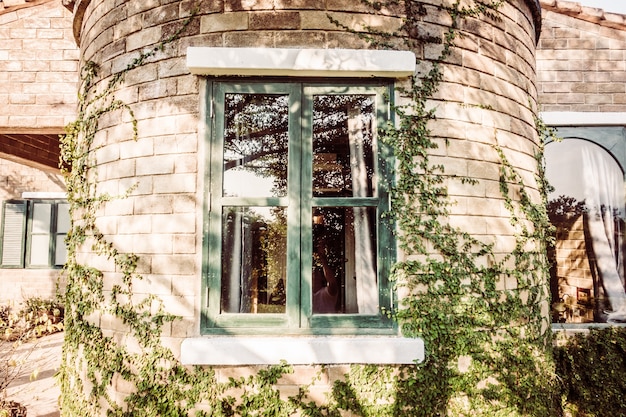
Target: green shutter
(13, 234)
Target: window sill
(306, 350)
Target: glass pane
(60, 255)
(254, 259)
(255, 145)
(587, 209)
(343, 145)
(39, 249)
(63, 218)
(41, 217)
(344, 278)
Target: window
(33, 233)
(587, 208)
(297, 236)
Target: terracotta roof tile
(589, 14)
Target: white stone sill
(304, 350)
(300, 62)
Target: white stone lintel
(44, 195)
(300, 62)
(564, 118)
(305, 350)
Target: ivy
(488, 344)
(593, 370)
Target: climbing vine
(481, 315)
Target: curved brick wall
(488, 96)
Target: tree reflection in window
(343, 146)
(287, 158)
(255, 144)
(587, 209)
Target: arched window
(587, 208)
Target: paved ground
(35, 387)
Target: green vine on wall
(487, 342)
(483, 316)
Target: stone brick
(143, 74)
(482, 170)
(174, 223)
(300, 39)
(178, 264)
(611, 88)
(154, 165)
(176, 144)
(187, 85)
(21, 99)
(160, 15)
(243, 39)
(274, 20)
(157, 89)
(120, 169)
(239, 5)
(152, 204)
(143, 147)
(145, 37)
(130, 25)
(184, 244)
(175, 183)
(152, 243)
(224, 22)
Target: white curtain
(365, 270)
(604, 197)
(238, 285)
(231, 263)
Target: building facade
(238, 177)
(240, 151)
(38, 84)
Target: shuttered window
(33, 233)
(13, 234)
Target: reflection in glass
(343, 142)
(40, 234)
(254, 256)
(344, 260)
(63, 226)
(255, 145)
(587, 209)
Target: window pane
(255, 145)
(60, 255)
(39, 250)
(587, 209)
(41, 217)
(254, 259)
(343, 144)
(344, 276)
(63, 218)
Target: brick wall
(16, 178)
(38, 84)
(581, 59)
(486, 97)
(38, 67)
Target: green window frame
(295, 111)
(33, 233)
